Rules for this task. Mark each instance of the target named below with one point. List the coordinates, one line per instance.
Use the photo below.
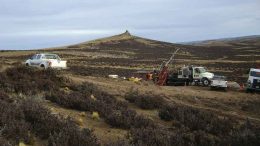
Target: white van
(253, 82)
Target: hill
(236, 41)
(82, 106)
(125, 53)
(232, 57)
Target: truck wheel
(205, 82)
(42, 66)
(27, 64)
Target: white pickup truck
(253, 82)
(46, 61)
(219, 82)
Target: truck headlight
(249, 84)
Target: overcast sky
(27, 24)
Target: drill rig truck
(184, 76)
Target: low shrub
(21, 120)
(5, 97)
(12, 123)
(64, 132)
(74, 100)
(4, 142)
(146, 101)
(179, 137)
(246, 134)
(127, 119)
(72, 137)
(115, 113)
(150, 136)
(121, 142)
(30, 80)
(196, 119)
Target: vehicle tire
(27, 64)
(205, 82)
(167, 83)
(248, 90)
(187, 82)
(42, 66)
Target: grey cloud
(71, 21)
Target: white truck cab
(253, 82)
(196, 74)
(46, 61)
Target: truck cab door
(196, 73)
(33, 60)
(38, 60)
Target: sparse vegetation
(24, 120)
(113, 111)
(29, 81)
(153, 120)
(147, 101)
(59, 131)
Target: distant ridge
(224, 41)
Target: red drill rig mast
(163, 72)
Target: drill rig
(184, 76)
(163, 71)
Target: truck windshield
(255, 74)
(202, 70)
(51, 57)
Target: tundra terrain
(82, 106)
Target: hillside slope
(236, 41)
(125, 53)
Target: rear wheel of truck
(42, 66)
(205, 82)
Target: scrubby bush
(131, 95)
(74, 100)
(127, 119)
(21, 120)
(150, 136)
(30, 80)
(5, 97)
(246, 134)
(4, 142)
(71, 137)
(144, 101)
(178, 137)
(196, 119)
(115, 113)
(12, 123)
(165, 113)
(64, 132)
(121, 142)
